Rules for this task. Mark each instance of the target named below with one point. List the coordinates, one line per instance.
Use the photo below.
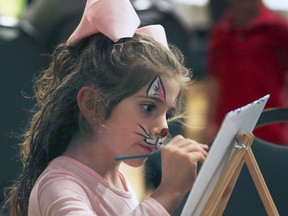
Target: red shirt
(249, 63)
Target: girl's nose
(164, 132)
(160, 132)
(160, 128)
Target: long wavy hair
(114, 70)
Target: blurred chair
(273, 115)
(272, 160)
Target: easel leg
(227, 193)
(260, 183)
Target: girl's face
(139, 122)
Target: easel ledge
(220, 196)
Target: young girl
(102, 98)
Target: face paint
(164, 132)
(153, 140)
(156, 89)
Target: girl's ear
(86, 101)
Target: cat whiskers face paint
(155, 142)
(151, 139)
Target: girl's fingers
(195, 150)
(193, 147)
(205, 147)
(197, 157)
(176, 139)
(181, 142)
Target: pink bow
(114, 18)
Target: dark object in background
(23, 48)
(20, 60)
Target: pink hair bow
(114, 18)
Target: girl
(99, 100)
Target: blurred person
(247, 59)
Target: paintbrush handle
(135, 156)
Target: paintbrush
(136, 156)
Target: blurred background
(31, 29)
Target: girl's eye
(149, 107)
(170, 115)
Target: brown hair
(114, 70)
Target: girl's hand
(179, 169)
(179, 163)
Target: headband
(115, 19)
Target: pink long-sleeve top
(68, 187)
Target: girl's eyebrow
(157, 99)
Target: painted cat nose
(164, 132)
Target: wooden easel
(221, 194)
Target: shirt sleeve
(64, 197)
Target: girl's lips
(148, 148)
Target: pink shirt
(68, 187)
